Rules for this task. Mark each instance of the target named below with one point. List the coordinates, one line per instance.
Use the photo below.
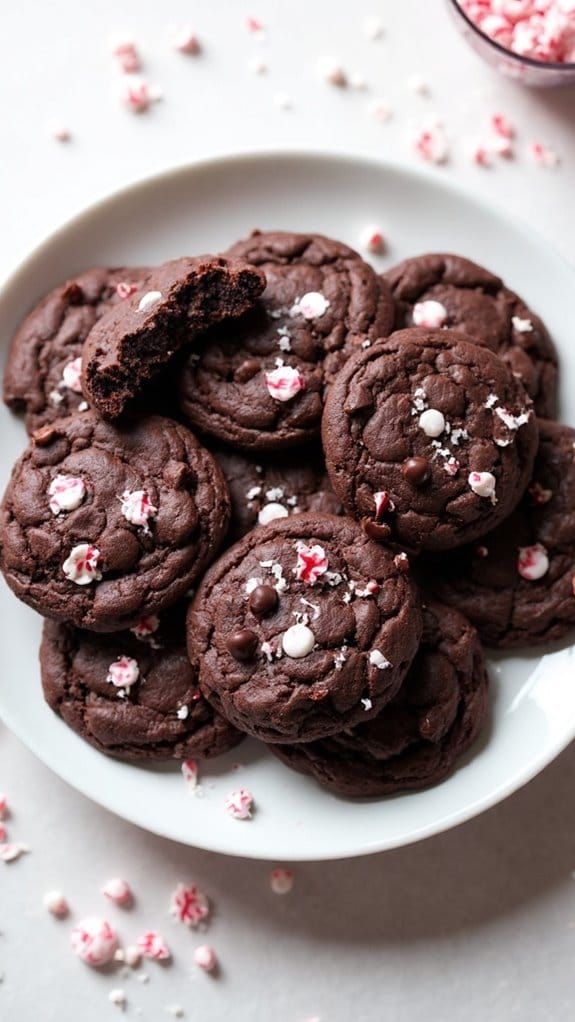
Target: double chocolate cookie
(517, 585)
(133, 695)
(429, 439)
(42, 374)
(438, 290)
(102, 524)
(266, 488)
(303, 628)
(259, 385)
(177, 300)
(416, 740)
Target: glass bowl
(537, 73)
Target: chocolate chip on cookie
(517, 585)
(438, 290)
(177, 300)
(299, 624)
(259, 385)
(416, 740)
(101, 524)
(133, 694)
(429, 439)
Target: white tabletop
(475, 923)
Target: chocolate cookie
(259, 385)
(42, 374)
(102, 524)
(438, 290)
(132, 695)
(416, 740)
(303, 628)
(429, 439)
(130, 344)
(518, 585)
(266, 488)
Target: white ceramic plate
(204, 208)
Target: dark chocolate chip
(242, 644)
(263, 601)
(374, 530)
(44, 436)
(416, 470)
(247, 370)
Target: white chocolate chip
(298, 641)
(271, 511)
(149, 299)
(377, 659)
(432, 422)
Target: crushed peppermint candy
(371, 588)
(3, 806)
(123, 672)
(512, 422)
(186, 41)
(539, 495)
(183, 712)
(312, 562)
(118, 997)
(543, 155)
(146, 626)
(533, 562)
(332, 72)
(59, 131)
(137, 507)
(284, 383)
(431, 145)
(281, 880)
(298, 641)
(189, 904)
(9, 852)
(377, 659)
(126, 53)
(152, 945)
(205, 958)
(3, 834)
(383, 503)
(56, 904)
(94, 940)
(522, 326)
(371, 239)
(130, 955)
(339, 658)
(72, 374)
(124, 289)
(137, 95)
(432, 422)
(66, 493)
(501, 126)
(483, 484)
(118, 891)
(82, 564)
(190, 773)
(239, 804)
(429, 314)
(269, 512)
(541, 31)
(312, 305)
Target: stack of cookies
(271, 493)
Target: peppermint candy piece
(483, 484)
(118, 891)
(137, 507)
(94, 940)
(522, 326)
(205, 958)
(383, 503)
(146, 626)
(372, 240)
(66, 493)
(377, 659)
(429, 314)
(71, 375)
(189, 905)
(312, 305)
(190, 773)
(312, 562)
(284, 383)
(81, 566)
(281, 880)
(239, 804)
(298, 641)
(186, 41)
(56, 904)
(152, 945)
(123, 672)
(533, 562)
(124, 289)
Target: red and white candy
(189, 904)
(533, 562)
(66, 493)
(152, 945)
(483, 484)
(136, 95)
(56, 904)
(3, 805)
(124, 289)
(94, 940)
(71, 375)
(186, 41)
(126, 53)
(312, 305)
(239, 804)
(429, 314)
(118, 891)
(284, 383)
(146, 626)
(539, 29)
(190, 773)
(137, 507)
(431, 145)
(281, 880)
(205, 958)
(123, 673)
(312, 562)
(82, 564)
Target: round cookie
(259, 385)
(42, 374)
(101, 524)
(266, 488)
(517, 585)
(303, 628)
(436, 290)
(132, 695)
(429, 439)
(417, 739)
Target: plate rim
(227, 158)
